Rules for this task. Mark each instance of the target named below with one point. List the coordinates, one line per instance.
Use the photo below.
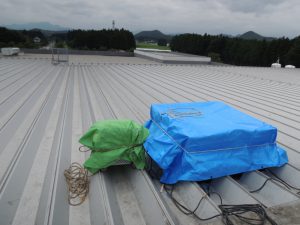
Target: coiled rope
(77, 179)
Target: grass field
(153, 46)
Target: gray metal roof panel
(44, 109)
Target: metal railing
(60, 55)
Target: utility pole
(113, 24)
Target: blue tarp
(205, 140)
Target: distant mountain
(39, 25)
(251, 35)
(153, 35)
(135, 32)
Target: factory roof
(44, 109)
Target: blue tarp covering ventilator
(204, 140)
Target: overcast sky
(267, 17)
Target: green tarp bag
(113, 140)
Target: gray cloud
(268, 17)
(251, 6)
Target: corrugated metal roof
(172, 57)
(44, 109)
(88, 59)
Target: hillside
(154, 35)
(40, 25)
(251, 35)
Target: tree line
(118, 39)
(106, 39)
(238, 51)
(21, 38)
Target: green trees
(293, 56)
(238, 51)
(22, 39)
(10, 38)
(101, 39)
(77, 39)
(31, 34)
(162, 42)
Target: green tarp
(113, 140)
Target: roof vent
(277, 64)
(290, 67)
